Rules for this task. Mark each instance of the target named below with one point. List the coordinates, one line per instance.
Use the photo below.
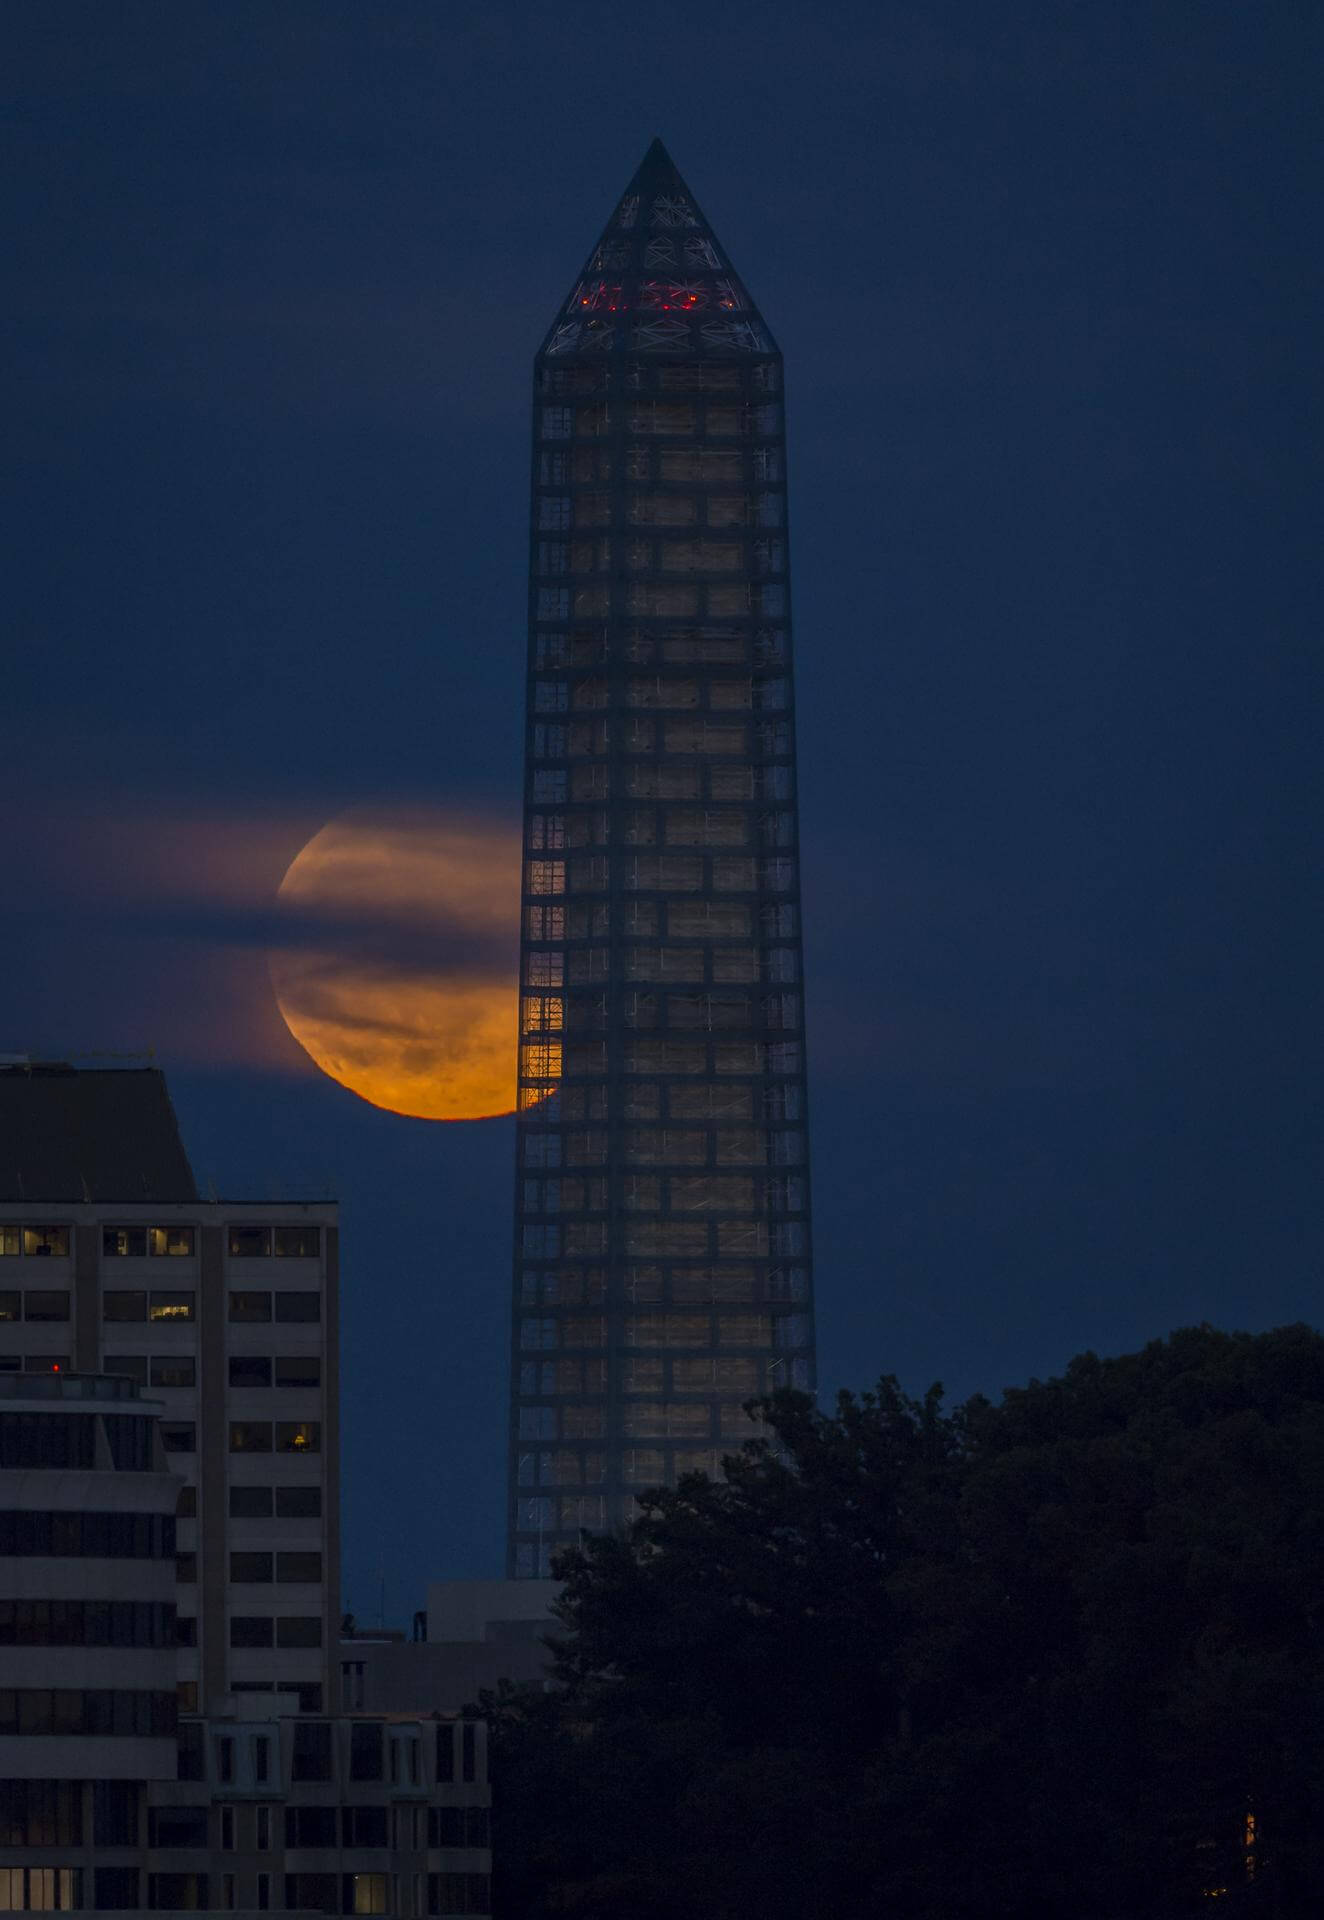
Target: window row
(662, 1330)
(574, 512)
(447, 1893)
(87, 1623)
(677, 419)
(590, 739)
(643, 1373)
(37, 1242)
(275, 1436)
(87, 1710)
(650, 1285)
(716, 646)
(683, 1193)
(47, 1813)
(676, 827)
(706, 1011)
(99, 1536)
(642, 1100)
(657, 600)
(136, 1304)
(686, 376)
(724, 966)
(549, 1060)
(661, 873)
(281, 1503)
(180, 1370)
(285, 1630)
(36, 1304)
(42, 1889)
(711, 921)
(662, 1146)
(591, 464)
(139, 1243)
(34, 1363)
(635, 553)
(263, 1569)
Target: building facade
(662, 1237)
(228, 1313)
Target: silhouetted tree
(1057, 1656)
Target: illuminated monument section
(662, 1204)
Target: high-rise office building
(662, 1255)
(111, 1262)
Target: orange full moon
(395, 958)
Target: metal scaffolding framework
(662, 1225)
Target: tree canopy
(1058, 1655)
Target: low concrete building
(479, 1633)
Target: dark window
(179, 1436)
(249, 1243)
(115, 1813)
(46, 1363)
(46, 1306)
(131, 1366)
(129, 1437)
(122, 1242)
(186, 1505)
(365, 1752)
(11, 1305)
(171, 1306)
(299, 1503)
(225, 1759)
(298, 1370)
(298, 1566)
(46, 1242)
(298, 1436)
(249, 1567)
(365, 1826)
(250, 1630)
(468, 1751)
(86, 1623)
(177, 1826)
(311, 1755)
(172, 1371)
(186, 1569)
(115, 1889)
(310, 1696)
(445, 1752)
(300, 1630)
(250, 1371)
(459, 1893)
(41, 1813)
(178, 1892)
(299, 1242)
(186, 1630)
(313, 1892)
(250, 1306)
(191, 1763)
(459, 1827)
(91, 1710)
(250, 1503)
(104, 1536)
(47, 1440)
(298, 1306)
(250, 1436)
(120, 1305)
(310, 1826)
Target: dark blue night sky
(1046, 280)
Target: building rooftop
(90, 1134)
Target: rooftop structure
(662, 1261)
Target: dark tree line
(1058, 1656)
